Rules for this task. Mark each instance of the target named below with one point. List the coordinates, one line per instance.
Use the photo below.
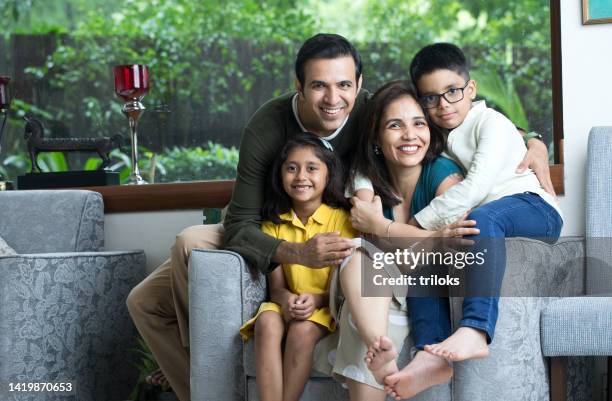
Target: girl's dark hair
(278, 202)
(372, 165)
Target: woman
(400, 155)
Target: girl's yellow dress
(301, 279)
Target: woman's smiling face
(403, 135)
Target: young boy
(505, 204)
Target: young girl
(306, 199)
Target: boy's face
(328, 95)
(445, 114)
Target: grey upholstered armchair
(62, 308)
(573, 327)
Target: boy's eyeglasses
(453, 95)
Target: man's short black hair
(438, 56)
(327, 46)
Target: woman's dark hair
(370, 163)
(278, 202)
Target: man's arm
(243, 220)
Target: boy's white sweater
(489, 148)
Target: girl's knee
(269, 325)
(304, 333)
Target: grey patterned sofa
(223, 295)
(62, 306)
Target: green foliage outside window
(196, 52)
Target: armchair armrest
(577, 326)
(63, 318)
(222, 295)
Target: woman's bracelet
(389, 228)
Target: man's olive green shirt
(263, 137)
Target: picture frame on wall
(596, 12)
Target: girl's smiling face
(304, 177)
(403, 134)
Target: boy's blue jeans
(520, 215)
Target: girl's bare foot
(465, 343)
(380, 358)
(424, 371)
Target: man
(328, 102)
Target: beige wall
(152, 231)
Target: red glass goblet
(131, 84)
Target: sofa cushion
(577, 326)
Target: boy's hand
(303, 307)
(536, 159)
(286, 307)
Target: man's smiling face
(328, 94)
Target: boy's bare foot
(424, 371)
(157, 378)
(380, 358)
(465, 343)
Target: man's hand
(322, 250)
(368, 217)
(303, 307)
(536, 159)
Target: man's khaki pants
(159, 306)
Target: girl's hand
(303, 307)
(286, 307)
(458, 229)
(368, 217)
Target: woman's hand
(303, 307)
(368, 217)
(458, 229)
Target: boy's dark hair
(326, 46)
(438, 56)
(371, 164)
(278, 202)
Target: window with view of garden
(213, 63)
